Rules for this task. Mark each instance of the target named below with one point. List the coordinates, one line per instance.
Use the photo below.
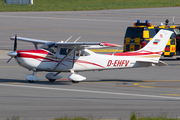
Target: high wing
(88, 44)
(34, 41)
(103, 45)
(69, 44)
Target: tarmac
(109, 94)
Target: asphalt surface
(111, 94)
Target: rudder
(158, 42)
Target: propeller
(15, 43)
(14, 53)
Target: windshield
(177, 31)
(134, 32)
(50, 47)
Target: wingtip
(109, 44)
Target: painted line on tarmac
(89, 91)
(146, 86)
(15, 83)
(171, 94)
(136, 86)
(143, 83)
(78, 19)
(8, 66)
(161, 80)
(106, 50)
(59, 30)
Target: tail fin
(154, 49)
(158, 42)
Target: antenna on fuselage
(68, 39)
(115, 51)
(77, 39)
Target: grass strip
(135, 116)
(81, 5)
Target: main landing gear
(76, 78)
(52, 77)
(75, 81)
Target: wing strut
(35, 45)
(63, 59)
(74, 54)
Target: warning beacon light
(142, 24)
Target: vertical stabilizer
(158, 42)
(154, 49)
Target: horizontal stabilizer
(149, 63)
(161, 63)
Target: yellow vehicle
(137, 36)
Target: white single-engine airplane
(57, 57)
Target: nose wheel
(30, 81)
(32, 78)
(52, 80)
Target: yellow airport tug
(137, 36)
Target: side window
(81, 53)
(64, 51)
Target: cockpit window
(50, 47)
(65, 51)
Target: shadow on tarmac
(118, 80)
(14, 81)
(59, 82)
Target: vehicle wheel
(52, 80)
(31, 81)
(75, 81)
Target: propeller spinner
(14, 53)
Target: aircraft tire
(52, 80)
(75, 81)
(30, 81)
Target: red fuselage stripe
(136, 53)
(31, 54)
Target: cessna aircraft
(57, 57)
